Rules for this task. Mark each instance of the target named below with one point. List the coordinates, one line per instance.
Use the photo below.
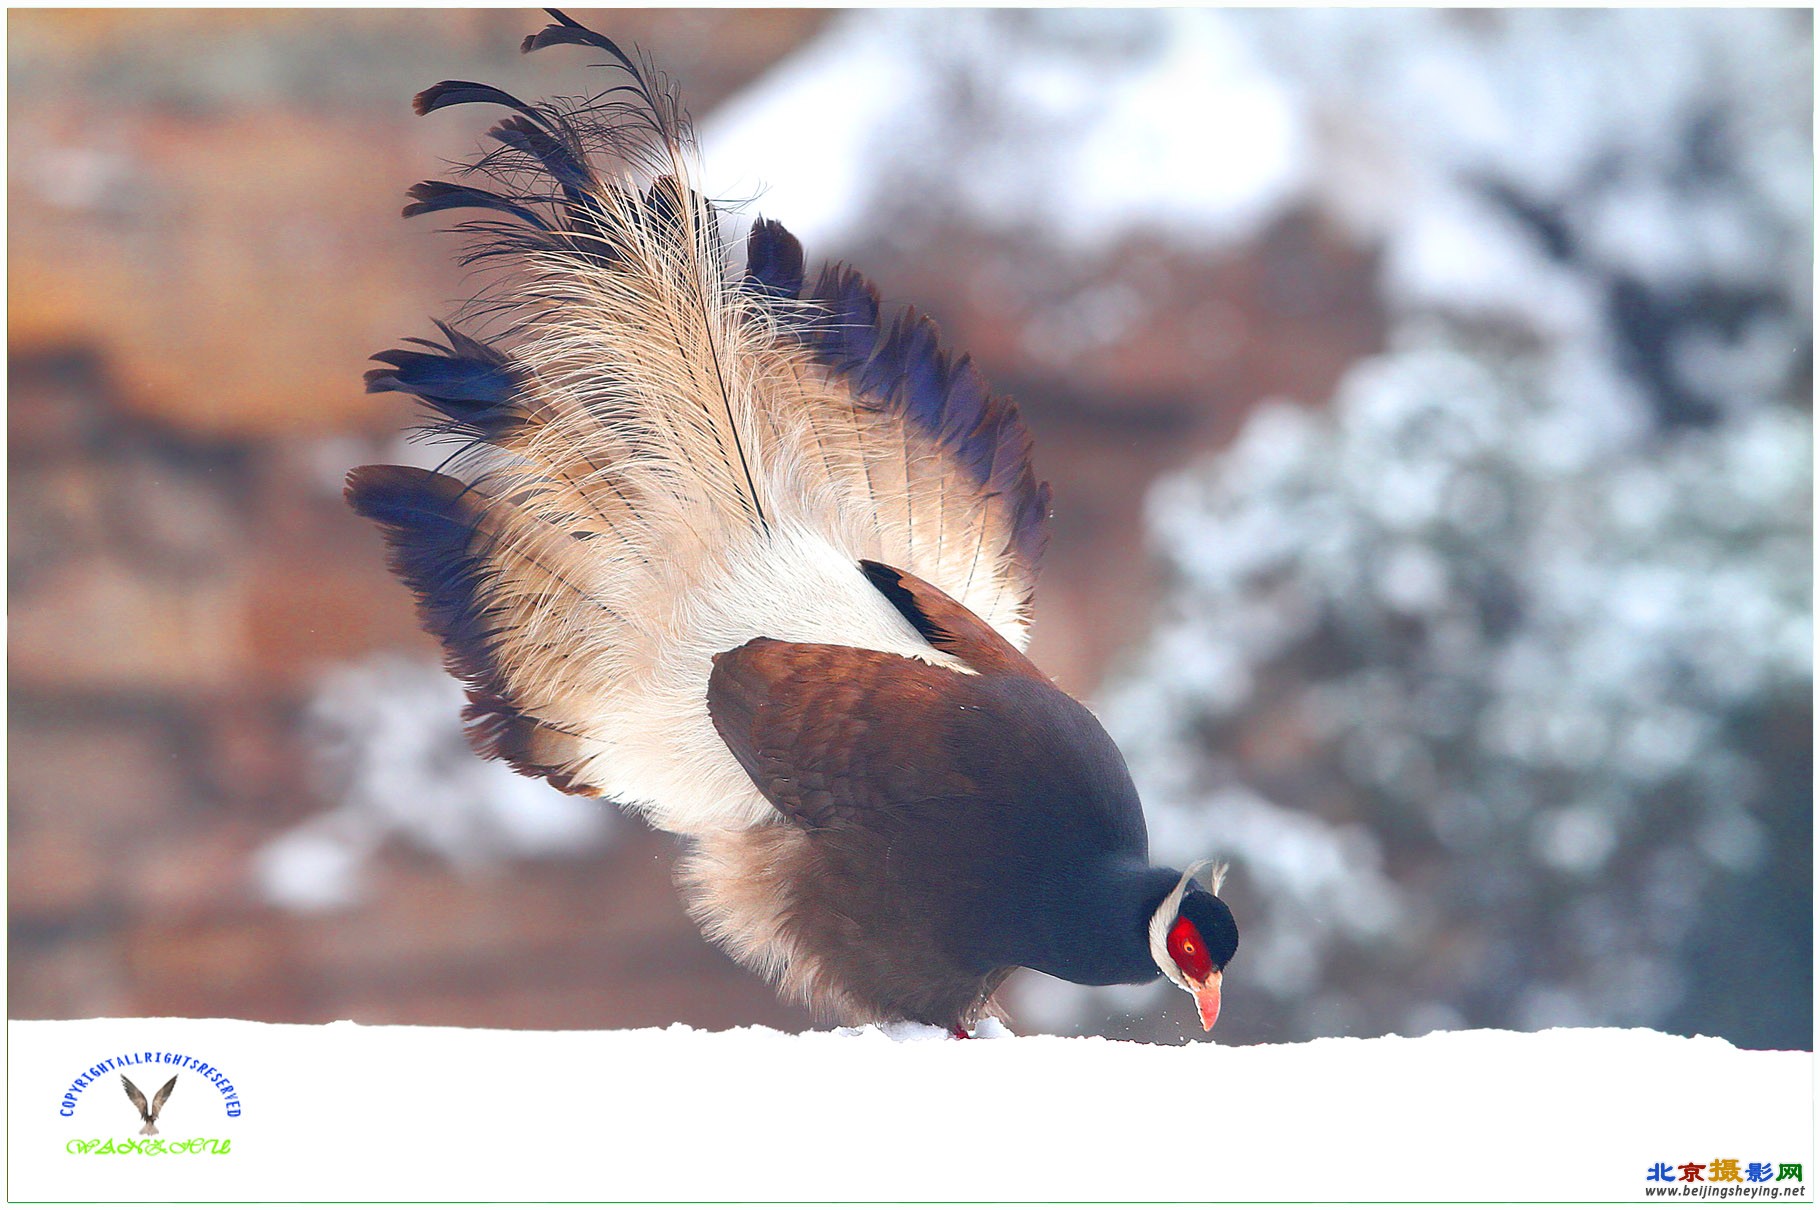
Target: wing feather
(163, 1095)
(830, 734)
(137, 1098)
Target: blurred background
(1427, 397)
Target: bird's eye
(1188, 947)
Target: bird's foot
(917, 1031)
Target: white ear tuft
(1165, 914)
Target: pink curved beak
(1207, 999)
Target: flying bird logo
(148, 1114)
(732, 549)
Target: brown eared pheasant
(728, 548)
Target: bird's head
(1193, 937)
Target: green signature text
(149, 1146)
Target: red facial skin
(1190, 953)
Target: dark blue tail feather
(466, 92)
(845, 332)
(569, 32)
(558, 159)
(906, 370)
(430, 523)
(431, 196)
(467, 381)
(774, 261)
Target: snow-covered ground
(364, 1112)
